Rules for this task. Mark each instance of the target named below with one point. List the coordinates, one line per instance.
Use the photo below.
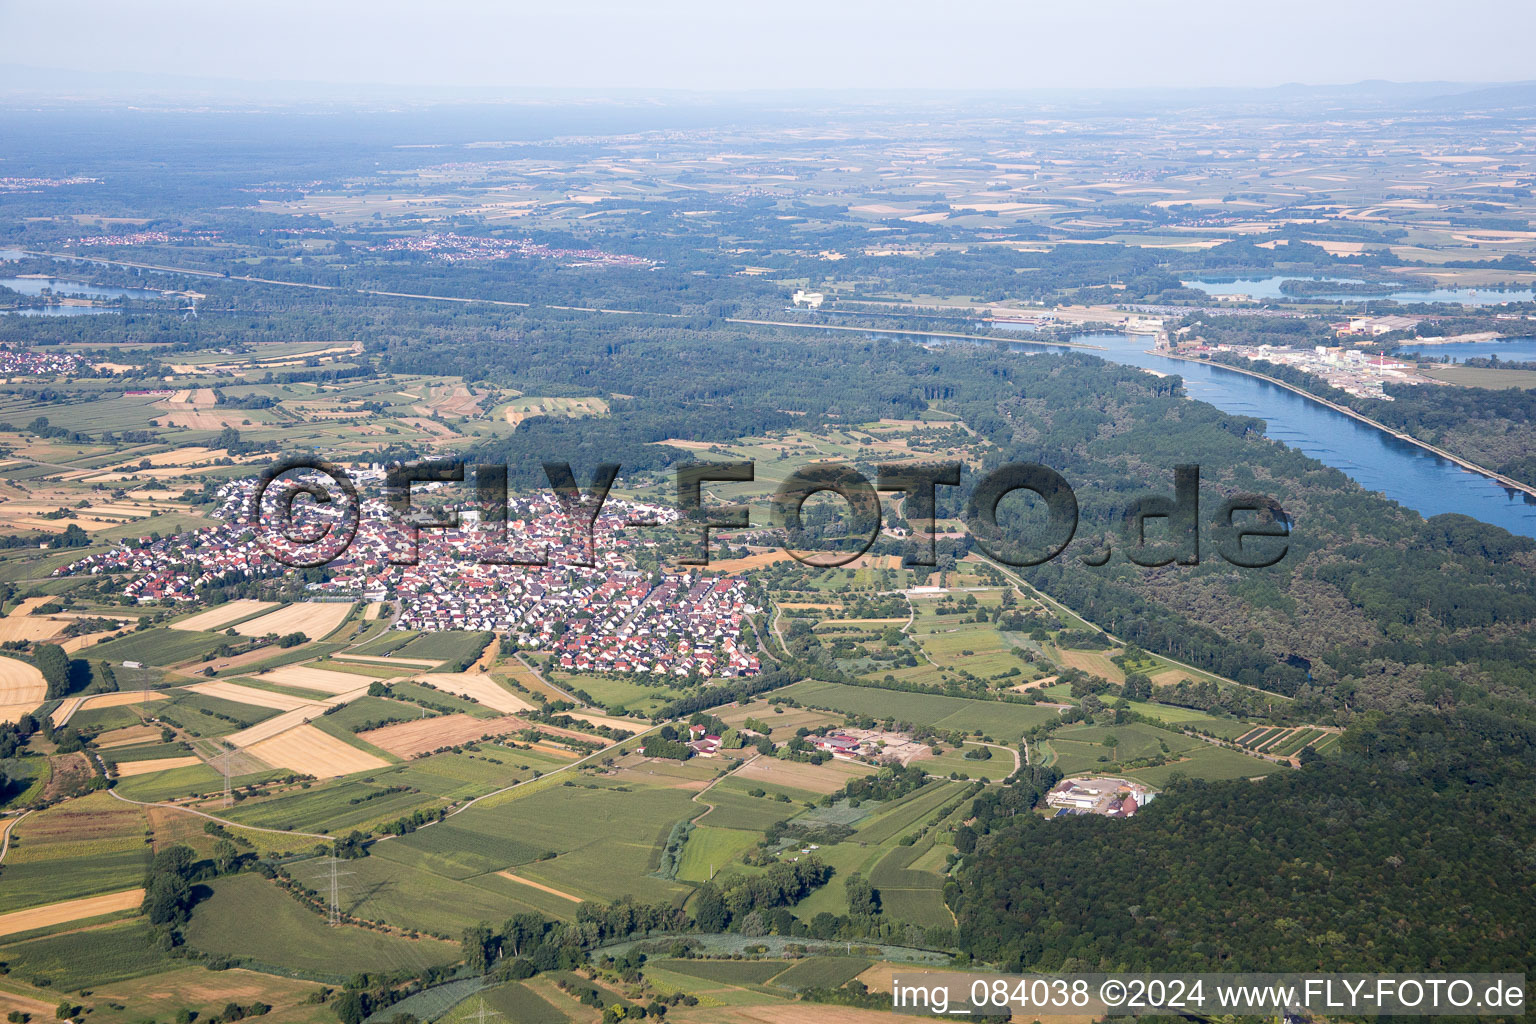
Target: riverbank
(1500, 478)
(976, 338)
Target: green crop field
(97, 956)
(440, 699)
(733, 809)
(100, 720)
(730, 972)
(406, 895)
(33, 883)
(448, 645)
(333, 807)
(743, 787)
(159, 647)
(247, 916)
(1004, 722)
(193, 779)
(145, 752)
(1171, 714)
(821, 972)
(614, 693)
(905, 815)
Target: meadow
(295, 936)
(1003, 722)
(1207, 762)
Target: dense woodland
(1413, 852)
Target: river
(1376, 460)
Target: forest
(1411, 852)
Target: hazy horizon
(691, 46)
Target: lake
(1513, 350)
(61, 286)
(1262, 289)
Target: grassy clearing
(250, 917)
(1004, 722)
(998, 766)
(514, 1002)
(1207, 762)
(709, 849)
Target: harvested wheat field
(214, 618)
(253, 696)
(121, 698)
(1172, 677)
(480, 688)
(70, 910)
(412, 739)
(529, 678)
(1094, 662)
(315, 619)
(128, 769)
(319, 679)
(756, 561)
(552, 749)
(308, 750)
(272, 726)
(127, 736)
(629, 725)
(372, 611)
(19, 626)
(22, 689)
(1035, 684)
(65, 711)
(813, 778)
(79, 643)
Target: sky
(715, 45)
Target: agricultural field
(998, 766)
(1206, 762)
(80, 959)
(293, 934)
(159, 647)
(1003, 722)
(315, 619)
(22, 689)
(219, 617)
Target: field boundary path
(5, 833)
(222, 821)
(518, 655)
(715, 782)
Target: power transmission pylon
(333, 915)
(481, 1015)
